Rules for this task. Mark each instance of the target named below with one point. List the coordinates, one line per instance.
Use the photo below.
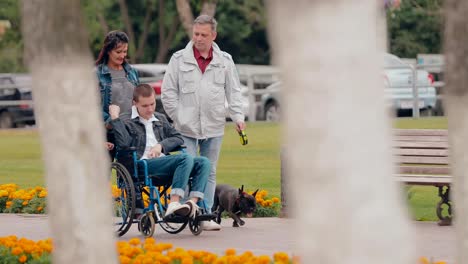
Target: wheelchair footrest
(205, 217)
(173, 218)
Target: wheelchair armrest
(127, 149)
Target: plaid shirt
(105, 84)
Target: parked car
(15, 115)
(245, 102)
(269, 109)
(398, 80)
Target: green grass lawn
(256, 165)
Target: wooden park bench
(423, 158)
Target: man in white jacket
(198, 80)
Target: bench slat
(421, 132)
(421, 179)
(422, 152)
(429, 145)
(422, 138)
(432, 170)
(422, 160)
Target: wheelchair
(124, 200)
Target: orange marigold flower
(125, 260)
(39, 208)
(23, 259)
(440, 262)
(16, 251)
(25, 203)
(230, 252)
(134, 241)
(424, 260)
(263, 260)
(281, 257)
(275, 200)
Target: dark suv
(15, 87)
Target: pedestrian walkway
(262, 236)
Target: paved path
(259, 235)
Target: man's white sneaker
(193, 208)
(178, 209)
(210, 226)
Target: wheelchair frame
(158, 201)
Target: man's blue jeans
(210, 148)
(180, 167)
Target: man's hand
(240, 125)
(155, 151)
(109, 146)
(114, 111)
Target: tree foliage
(415, 27)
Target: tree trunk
(71, 131)
(165, 41)
(129, 28)
(185, 15)
(456, 104)
(209, 7)
(146, 25)
(101, 18)
(348, 206)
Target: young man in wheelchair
(153, 137)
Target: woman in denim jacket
(117, 79)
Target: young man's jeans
(209, 148)
(180, 167)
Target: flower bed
(21, 250)
(29, 201)
(14, 250)
(33, 200)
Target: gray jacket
(195, 101)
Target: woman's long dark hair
(111, 41)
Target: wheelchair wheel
(195, 227)
(147, 225)
(123, 193)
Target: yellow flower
(3, 193)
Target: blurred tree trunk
(129, 29)
(185, 16)
(71, 131)
(209, 7)
(456, 104)
(101, 18)
(146, 26)
(165, 40)
(348, 206)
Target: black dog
(234, 202)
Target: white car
(245, 102)
(398, 80)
